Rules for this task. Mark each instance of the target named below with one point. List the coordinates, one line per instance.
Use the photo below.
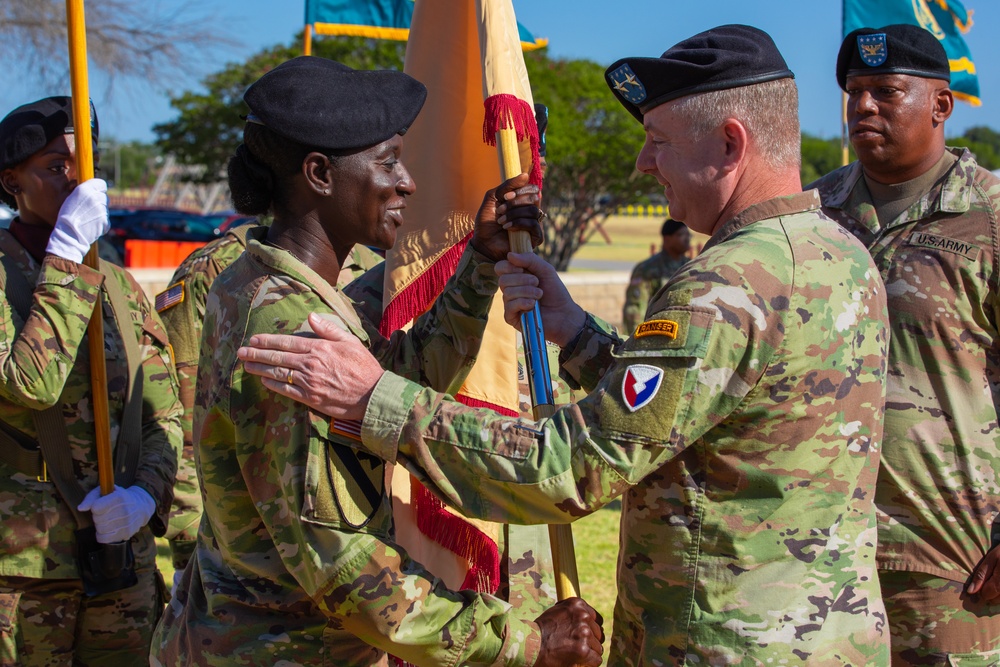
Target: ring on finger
(288, 378)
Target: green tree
(592, 143)
(984, 142)
(131, 164)
(208, 127)
(819, 157)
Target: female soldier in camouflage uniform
(295, 560)
(46, 617)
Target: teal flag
(947, 20)
(378, 19)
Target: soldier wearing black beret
(739, 420)
(295, 549)
(928, 214)
(55, 605)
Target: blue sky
(806, 31)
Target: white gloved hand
(83, 218)
(120, 514)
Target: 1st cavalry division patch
(169, 297)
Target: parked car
(162, 225)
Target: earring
(326, 191)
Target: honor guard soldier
(928, 215)
(59, 538)
(741, 422)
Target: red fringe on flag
(421, 293)
(509, 111)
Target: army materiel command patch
(967, 250)
(667, 328)
(873, 49)
(640, 385)
(169, 297)
(627, 84)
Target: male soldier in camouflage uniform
(182, 308)
(295, 561)
(741, 422)
(651, 274)
(45, 616)
(928, 214)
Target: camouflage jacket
(648, 277)
(939, 486)
(742, 423)
(182, 307)
(45, 361)
(295, 560)
(527, 580)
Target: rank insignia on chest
(169, 297)
(667, 328)
(640, 385)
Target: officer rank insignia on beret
(873, 49)
(627, 84)
(640, 384)
(169, 297)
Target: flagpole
(539, 378)
(307, 40)
(76, 25)
(844, 153)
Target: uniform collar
(282, 262)
(770, 208)
(952, 194)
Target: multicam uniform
(295, 560)
(527, 579)
(939, 487)
(648, 277)
(742, 423)
(43, 362)
(182, 307)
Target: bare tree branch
(140, 41)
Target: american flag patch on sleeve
(171, 296)
(349, 428)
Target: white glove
(120, 514)
(83, 218)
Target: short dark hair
(671, 227)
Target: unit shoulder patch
(668, 328)
(640, 385)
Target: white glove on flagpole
(83, 218)
(120, 514)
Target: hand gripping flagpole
(85, 171)
(539, 377)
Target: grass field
(596, 539)
(632, 239)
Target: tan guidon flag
(448, 154)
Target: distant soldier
(651, 274)
(742, 421)
(182, 308)
(928, 215)
(57, 605)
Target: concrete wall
(599, 292)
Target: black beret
(542, 120)
(30, 127)
(729, 56)
(324, 104)
(671, 227)
(894, 49)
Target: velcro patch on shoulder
(358, 484)
(170, 297)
